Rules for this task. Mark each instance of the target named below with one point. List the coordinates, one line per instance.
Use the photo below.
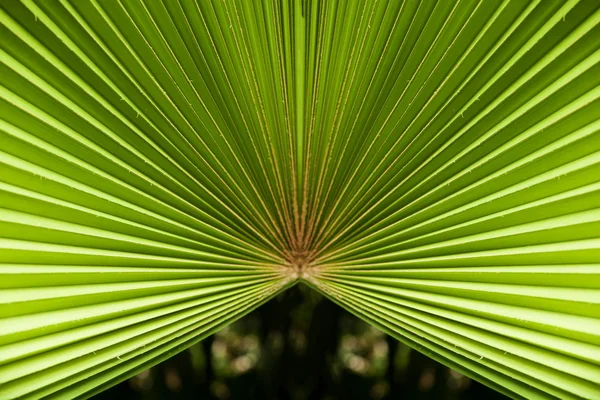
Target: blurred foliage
(299, 347)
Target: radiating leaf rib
(533, 374)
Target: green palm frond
(168, 166)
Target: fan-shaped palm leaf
(167, 166)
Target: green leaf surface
(168, 166)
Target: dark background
(299, 346)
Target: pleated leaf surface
(168, 166)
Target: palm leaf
(168, 166)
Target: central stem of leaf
(300, 263)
